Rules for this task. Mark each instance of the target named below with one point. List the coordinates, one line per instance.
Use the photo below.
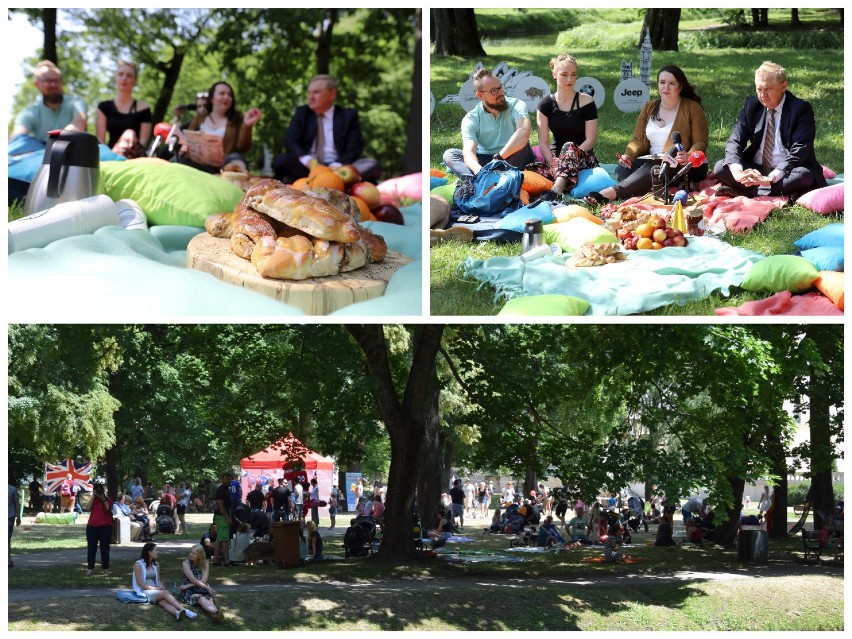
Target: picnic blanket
(645, 281)
(120, 275)
(601, 560)
(740, 214)
(785, 303)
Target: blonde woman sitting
(194, 589)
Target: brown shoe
(457, 233)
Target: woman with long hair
(194, 589)
(126, 120)
(677, 109)
(147, 583)
(222, 119)
(572, 118)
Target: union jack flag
(54, 474)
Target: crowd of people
(319, 131)
(770, 150)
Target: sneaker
(106, 572)
(190, 614)
(89, 573)
(180, 614)
(458, 233)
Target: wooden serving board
(317, 296)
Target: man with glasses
(54, 110)
(323, 132)
(498, 128)
(771, 150)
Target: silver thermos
(69, 171)
(533, 235)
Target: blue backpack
(496, 191)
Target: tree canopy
(267, 55)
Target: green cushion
(571, 235)
(781, 273)
(447, 191)
(531, 305)
(169, 193)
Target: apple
(659, 235)
(679, 240)
(623, 234)
(656, 246)
(670, 232)
(669, 242)
(657, 222)
(388, 213)
(348, 173)
(644, 244)
(368, 192)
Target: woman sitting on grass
(314, 541)
(208, 541)
(664, 532)
(572, 117)
(194, 589)
(678, 109)
(146, 583)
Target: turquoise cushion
(781, 273)
(516, 220)
(588, 180)
(829, 235)
(825, 258)
(436, 181)
(536, 305)
(169, 193)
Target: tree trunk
(405, 422)
(429, 469)
(49, 23)
(111, 459)
(323, 48)
(726, 532)
(822, 493)
(456, 33)
(779, 467)
(171, 74)
(662, 24)
(794, 17)
(530, 483)
(412, 160)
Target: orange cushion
(436, 173)
(565, 213)
(535, 184)
(830, 284)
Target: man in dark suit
(337, 142)
(771, 150)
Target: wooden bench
(813, 550)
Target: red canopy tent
(271, 463)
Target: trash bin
(753, 545)
(285, 543)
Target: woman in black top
(572, 118)
(125, 119)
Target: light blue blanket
(645, 281)
(117, 275)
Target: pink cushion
(537, 153)
(827, 173)
(828, 199)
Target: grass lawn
(537, 594)
(719, 61)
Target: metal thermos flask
(533, 235)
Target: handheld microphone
(695, 159)
(677, 141)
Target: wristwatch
(497, 156)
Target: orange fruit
(525, 197)
(644, 243)
(644, 230)
(656, 246)
(316, 169)
(366, 216)
(328, 179)
(300, 184)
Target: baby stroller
(524, 538)
(549, 536)
(259, 525)
(358, 540)
(165, 521)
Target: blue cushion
(436, 181)
(588, 180)
(825, 258)
(516, 219)
(830, 235)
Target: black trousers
(288, 169)
(98, 535)
(637, 180)
(799, 180)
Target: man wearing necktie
(771, 149)
(325, 132)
